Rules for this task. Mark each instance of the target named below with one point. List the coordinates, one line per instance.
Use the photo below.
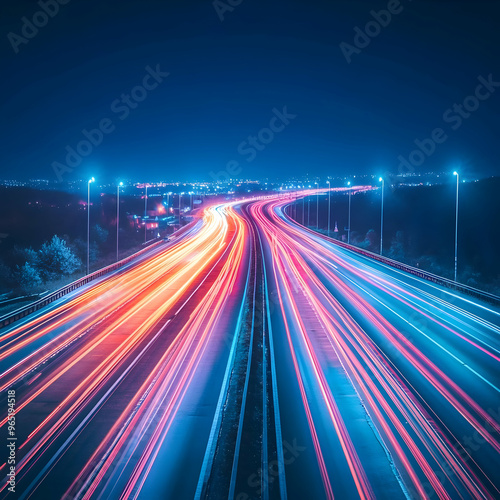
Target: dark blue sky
(226, 77)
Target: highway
(252, 358)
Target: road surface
(253, 358)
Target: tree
(79, 247)
(397, 250)
(27, 277)
(55, 259)
(6, 278)
(99, 234)
(370, 242)
(22, 255)
(430, 263)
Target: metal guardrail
(35, 306)
(468, 290)
(22, 312)
(24, 298)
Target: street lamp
(303, 201)
(308, 211)
(317, 205)
(381, 215)
(145, 214)
(88, 223)
(328, 208)
(456, 226)
(118, 216)
(180, 195)
(349, 218)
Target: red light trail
(141, 385)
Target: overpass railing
(468, 290)
(24, 311)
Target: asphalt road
(253, 358)
(398, 377)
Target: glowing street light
(145, 214)
(456, 225)
(381, 215)
(118, 216)
(329, 191)
(303, 204)
(317, 205)
(308, 211)
(349, 218)
(88, 223)
(180, 197)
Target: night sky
(228, 79)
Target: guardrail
(24, 298)
(468, 290)
(35, 306)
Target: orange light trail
(380, 375)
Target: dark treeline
(30, 256)
(419, 227)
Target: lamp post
(349, 218)
(88, 223)
(381, 215)
(317, 205)
(329, 191)
(145, 214)
(303, 198)
(118, 216)
(180, 195)
(456, 225)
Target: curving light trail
(387, 385)
(314, 276)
